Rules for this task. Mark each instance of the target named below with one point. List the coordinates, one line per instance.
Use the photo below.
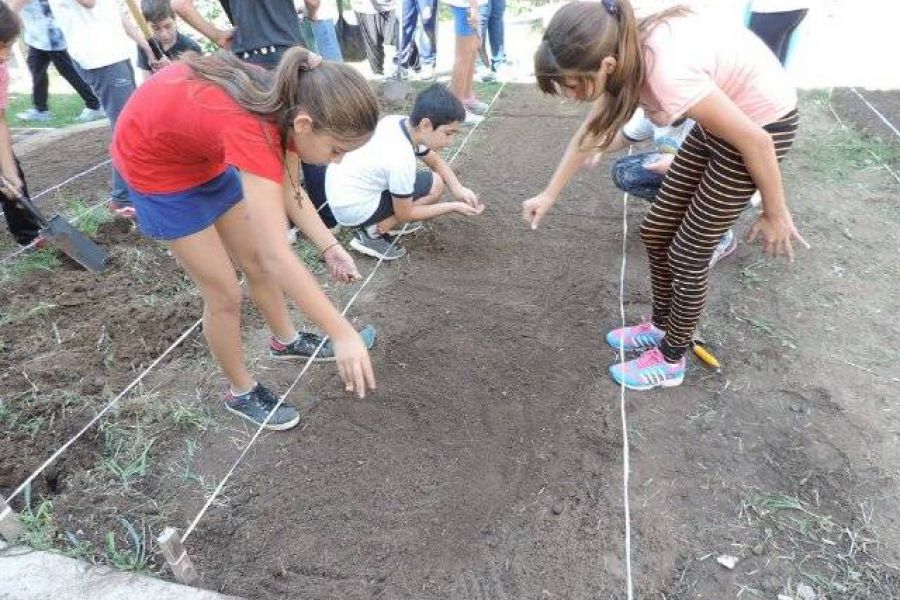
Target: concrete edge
(36, 142)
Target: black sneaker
(306, 343)
(382, 247)
(256, 404)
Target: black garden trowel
(60, 233)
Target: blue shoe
(256, 405)
(649, 370)
(637, 337)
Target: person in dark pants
(775, 21)
(46, 45)
(418, 55)
(22, 225)
(378, 24)
(262, 32)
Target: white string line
(844, 126)
(259, 430)
(97, 417)
(626, 467)
(71, 179)
(877, 112)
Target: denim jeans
(630, 175)
(326, 40)
(495, 32)
(416, 50)
(113, 85)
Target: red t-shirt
(177, 132)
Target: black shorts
(424, 181)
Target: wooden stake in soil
(10, 524)
(179, 561)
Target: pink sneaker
(124, 211)
(637, 337)
(649, 370)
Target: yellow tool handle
(139, 18)
(704, 355)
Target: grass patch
(86, 218)
(134, 556)
(835, 558)
(44, 259)
(127, 454)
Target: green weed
(127, 559)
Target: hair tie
(612, 7)
(312, 61)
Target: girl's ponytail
(337, 98)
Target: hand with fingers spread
(353, 363)
(777, 231)
(534, 209)
(340, 264)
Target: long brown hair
(337, 98)
(580, 35)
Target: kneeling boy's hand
(467, 210)
(340, 264)
(466, 195)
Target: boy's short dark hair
(437, 104)
(157, 10)
(10, 26)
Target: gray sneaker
(382, 247)
(476, 107)
(33, 114)
(256, 404)
(91, 114)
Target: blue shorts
(461, 19)
(180, 214)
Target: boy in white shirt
(378, 189)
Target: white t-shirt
(771, 6)
(386, 163)
(463, 3)
(667, 138)
(95, 36)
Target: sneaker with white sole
(647, 371)
(256, 405)
(305, 344)
(33, 114)
(382, 247)
(411, 227)
(472, 118)
(91, 114)
(726, 248)
(475, 106)
(636, 337)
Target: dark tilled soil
(489, 462)
(854, 111)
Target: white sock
(290, 341)
(245, 392)
(373, 232)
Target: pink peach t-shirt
(688, 57)
(4, 86)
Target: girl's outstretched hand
(534, 209)
(777, 233)
(340, 264)
(353, 364)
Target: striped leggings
(703, 194)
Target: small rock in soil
(558, 507)
(727, 561)
(804, 592)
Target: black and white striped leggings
(703, 194)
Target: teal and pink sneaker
(647, 371)
(637, 337)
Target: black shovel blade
(75, 244)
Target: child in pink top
(675, 64)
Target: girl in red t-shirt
(211, 149)
(675, 64)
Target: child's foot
(123, 211)
(649, 370)
(33, 114)
(725, 248)
(256, 404)
(381, 247)
(472, 118)
(306, 343)
(637, 337)
(411, 227)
